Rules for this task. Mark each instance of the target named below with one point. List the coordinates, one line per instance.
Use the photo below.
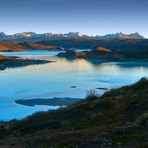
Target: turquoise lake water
(56, 78)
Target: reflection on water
(55, 80)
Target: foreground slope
(119, 118)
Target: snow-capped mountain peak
(32, 36)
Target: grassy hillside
(7, 46)
(40, 46)
(119, 118)
(81, 44)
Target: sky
(86, 16)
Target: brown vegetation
(40, 46)
(7, 46)
(3, 57)
(98, 48)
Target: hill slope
(3, 58)
(40, 46)
(89, 44)
(104, 54)
(7, 46)
(119, 118)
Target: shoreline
(93, 60)
(61, 102)
(14, 62)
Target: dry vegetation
(7, 46)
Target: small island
(103, 54)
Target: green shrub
(142, 121)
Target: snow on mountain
(71, 35)
(120, 36)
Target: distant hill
(91, 43)
(96, 53)
(119, 118)
(39, 46)
(103, 54)
(9, 46)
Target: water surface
(55, 80)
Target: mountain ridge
(71, 35)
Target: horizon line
(71, 32)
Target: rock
(73, 86)
(102, 88)
(70, 53)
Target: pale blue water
(54, 80)
(31, 53)
(35, 53)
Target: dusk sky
(86, 16)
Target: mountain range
(32, 36)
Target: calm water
(54, 80)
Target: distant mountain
(3, 36)
(120, 36)
(32, 36)
(24, 35)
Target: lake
(56, 78)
